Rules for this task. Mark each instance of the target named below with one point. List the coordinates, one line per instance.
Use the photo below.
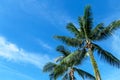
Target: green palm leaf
(84, 74)
(107, 31)
(59, 59)
(107, 56)
(63, 50)
(72, 29)
(49, 67)
(59, 70)
(88, 20)
(81, 23)
(70, 41)
(74, 58)
(95, 32)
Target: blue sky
(27, 28)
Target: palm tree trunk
(94, 64)
(71, 74)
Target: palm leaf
(107, 31)
(81, 23)
(106, 56)
(49, 67)
(60, 58)
(63, 50)
(88, 20)
(74, 58)
(72, 29)
(70, 41)
(95, 32)
(84, 74)
(59, 70)
(81, 30)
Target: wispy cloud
(44, 45)
(45, 9)
(11, 52)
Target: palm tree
(65, 65)
(86, 36)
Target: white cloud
(44, 45)
(45, 9)
(11, 52)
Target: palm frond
(59, 70)
(63, 50)
(81, 23)
(49, 67)
(81, 29)
(60, 58)
(84, 74)
(74, 58)
(70, 41)
(72, 29)
(107, 31)
(88, 20)
(95, 32)
(106, 56)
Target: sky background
(27, 28)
